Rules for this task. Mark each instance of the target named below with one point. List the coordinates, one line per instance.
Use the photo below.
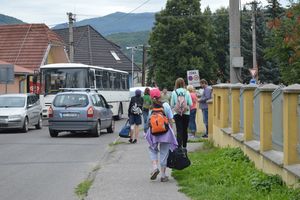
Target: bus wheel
(120, 111)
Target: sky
(52, 12)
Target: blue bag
(125, 131)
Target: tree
(179, 42)
(285, 49)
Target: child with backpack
(135, 115)
(160, 135)
(180, 102)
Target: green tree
(285, 38)
(179, 42)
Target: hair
(190, 88)
(147, 91)
(203, 81)
(179, 83)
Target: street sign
(253, 72)
(193, 78)
(7, 75)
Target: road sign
(7, 75)
(193, 78)
(253, 72)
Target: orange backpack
(158, 121)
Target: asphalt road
(34, 166)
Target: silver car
(20, 111)
(76, 111)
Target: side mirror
(30, 105)
(110, 106)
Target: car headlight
(14, 117)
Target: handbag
(178, 159)
(125, 131)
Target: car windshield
(71, 100)
(12, 102)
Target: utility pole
(71, 40)
(234, 39)
(144, 65)
(255, 66)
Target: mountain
(128, 40)
(118, 22)
(4, 20)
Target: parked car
(20, 111)
(76, 111)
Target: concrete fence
(264, 121)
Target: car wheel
(111, 129)
(39, 125)
(97, 130)
(25, 125)
(53, 133)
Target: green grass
(226, 174)
(82, 189)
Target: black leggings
(182, 123)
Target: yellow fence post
(248, 111)
(210, 118)
(265, 112)
(235, 107)
(290, 124)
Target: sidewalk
(125, 175)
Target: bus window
(118, 80)
(99, 79)
(92, 78)
(112, 80)
(105, 80)
(124, 82)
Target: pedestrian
(193, 111)
(164, 96)
(180, 102)
(135, 115)
(146, 106)
(159, 145)
(203, 103)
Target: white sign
(193, 78)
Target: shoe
(134, 141)
(130, 140)
(164, 179)
(154, 174)
(205, 136)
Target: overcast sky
(52, 12)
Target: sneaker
(205, 136)
(134, 141)
(130, 140)
(154, 174)
(164, 179)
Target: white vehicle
(111, 83)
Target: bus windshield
(64, 78)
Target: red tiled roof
(18, 69)
(26, 44)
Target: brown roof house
(31, 46)
(91, 48)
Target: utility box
(237, 62)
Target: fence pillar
(265, 112)
(290, 124)
(210, 118)
(248, 111)
(235, 107)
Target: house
(91, 48)
(30, 46)
(20, 82)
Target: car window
(98, 101)
(12, 102)
(70, 100)
(103, 101)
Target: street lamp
(132, 61)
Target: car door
(108, 113)
(30, 109)
(100, 111)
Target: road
(34, 166)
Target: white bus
(111, 83)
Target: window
(105, 80)
(124, 82)
(99, 75)
(114, 54)
(63, 100)
(103, 101)
(117, 82)
(112, 80)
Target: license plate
(70, 114)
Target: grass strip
(227, 174)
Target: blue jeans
(205, 116)
(145, 116)
(192, 121)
